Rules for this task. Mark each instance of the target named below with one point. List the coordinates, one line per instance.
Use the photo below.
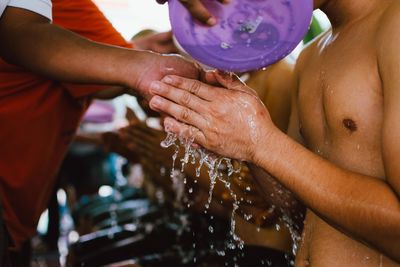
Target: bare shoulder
(282, 80)
(311, 50)
(388, 31)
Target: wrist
(265, 150)
(129, 73)
(132, 67)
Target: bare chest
(340, 107)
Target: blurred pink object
(99, 112)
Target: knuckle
(185, 98)
(194, 87)
(177, 81)
(185, 114)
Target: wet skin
(339, 114)
(346, 108)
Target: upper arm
(14, 26)
(15, 17)
(389, 68)
(294, 121)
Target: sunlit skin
(345, 113)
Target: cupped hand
(197, 9)
(112, 142)
(146, 142)
(230, 120)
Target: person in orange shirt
(38, 119)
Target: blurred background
(129, 17)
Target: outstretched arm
(276, 87)
(30, 41)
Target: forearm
(62, 55)
(278, 196)
(364, 207)
(111, 92)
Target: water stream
(218, 168)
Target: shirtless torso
(346, 109)
(338, 113)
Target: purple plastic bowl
(250, 34)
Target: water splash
(217, 168)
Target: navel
(301, 132)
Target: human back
(339, 108)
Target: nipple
(350, 125)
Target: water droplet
(217, 168)
(225, 45)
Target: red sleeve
(84, 18)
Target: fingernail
(155, 87)
(168, 125)
(167, 79)
(156, 101)
(211, 21)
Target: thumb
(232, 81)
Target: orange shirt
(38, 119)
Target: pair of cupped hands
(140, 143)
(218, 110)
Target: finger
(148, 140)
(130, 115)
(202, 90)
(143, 129)
(163, 37)
(179, 96)
(208, 77)
(232, 81)
(199, 12)
(180, 113)
(186, 131)
(135, 141)
(166, 48)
